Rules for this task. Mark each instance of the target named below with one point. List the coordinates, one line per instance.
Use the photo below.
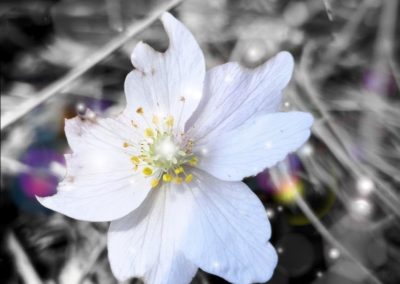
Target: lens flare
(287, 191)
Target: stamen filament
(163, 154)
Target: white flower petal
(100, 184)
(169, 83)
(259, 143)
(233, 94)
(145, 243)
(100, 134)
(228, 231)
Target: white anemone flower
(167, 172)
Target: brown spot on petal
(139, 110)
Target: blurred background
(334, 205)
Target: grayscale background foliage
(338, 221)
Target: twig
(94, 256)
(22, 262)
(395, 70)
(132, 30)
(346, 35)
(75, 272)
(328, 9)
(13, 166)
(358, 170)
(386, 31)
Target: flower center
(163, 155)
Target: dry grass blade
(9, 118)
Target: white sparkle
(270, 213)
(204, 151)
(166, 149)
(334, 253)
(228, 78)
(361, 208)
(254, 53)
(80, 107)
(365, 185)
(216, 264)
(307, 150)
(268, 145)
(91, 115)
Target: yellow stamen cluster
(149, 132)
(147, 171)
(170, 121)
(162, 157)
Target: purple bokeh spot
(264, 181)
(41, 181)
